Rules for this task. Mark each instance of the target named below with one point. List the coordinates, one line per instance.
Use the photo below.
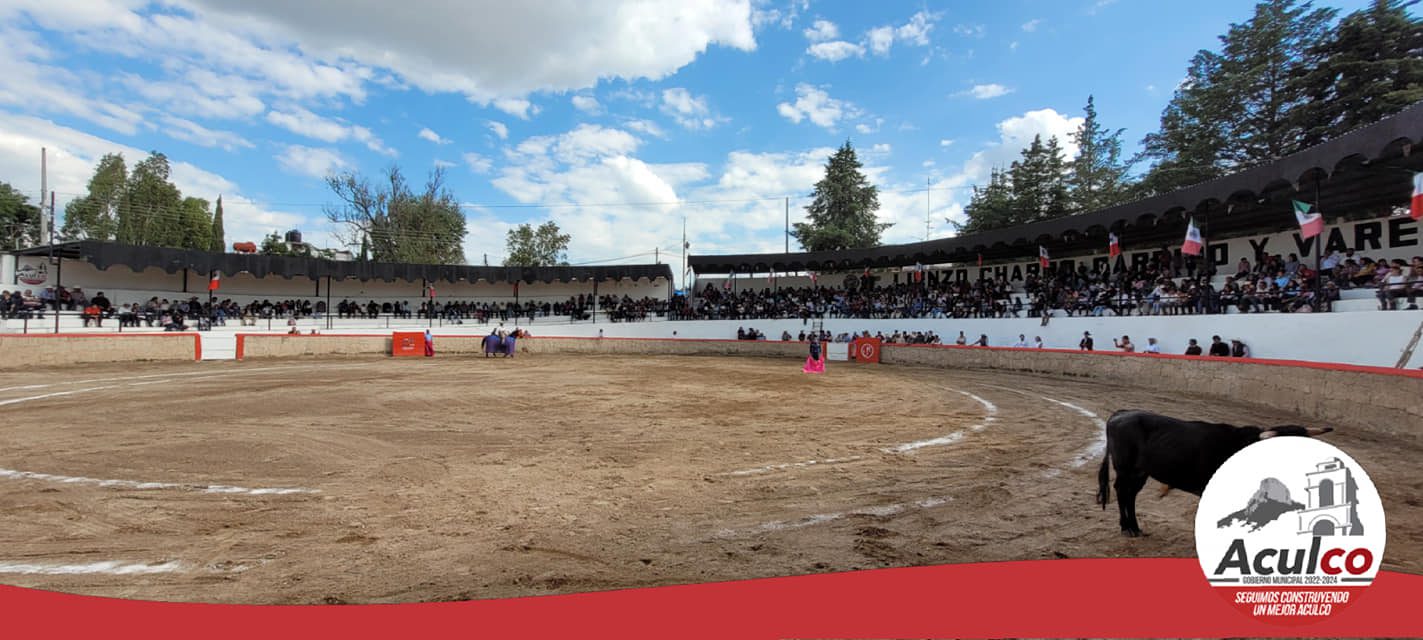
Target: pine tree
(1097, 177)
(990, 207)
(1038, 180)
(1237, 107)
(1369, 68)
(842, 213)
(94, 216)
(217, 241)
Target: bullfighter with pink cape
(816, 362)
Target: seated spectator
(1393, 286)
(92, 313)
(982, 340)
(1125, 344)
(1238, 349)
(1151, 346)
(1193, 349)
(1218, 348)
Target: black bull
(1177, 453)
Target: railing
(50, 321)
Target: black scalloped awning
(107, 254)
(1367, 168)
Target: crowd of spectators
(1168, 285)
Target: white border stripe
(990, 408)
(822, 518)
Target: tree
(195, 225)
(150, 211)
(1039, 185)
(217, 241)
(401, 225)
(274, 245)
(95, 215)
(1237, 107)
(19, 220)
(990, 207)
(1369, 68)
(1097, 177)
(541, 247)
(842, 214)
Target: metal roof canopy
(1358, 174)
(138, 258)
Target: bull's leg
(1128, 485)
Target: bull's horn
(1318, 431)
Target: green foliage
(195, 225)
(842, 214)
(1370, 67)
(150, 212)
(541, 247)
(217, 241)
(991, 207)
(1097, 177)
(274, 245)
(401, 225)
(19, 220)
(95, 215)
(1039, 182)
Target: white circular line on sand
(822, 518)
(107, 567)
(789, 465)
(989, 408)
(12, 474)
(1092, 451)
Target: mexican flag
(1193, 243)
(1310, 224)
(1416, 209)
(1042, 257)
(1114, 246)
(212, 283)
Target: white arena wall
(1370, 338)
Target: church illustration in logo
(1333, 502)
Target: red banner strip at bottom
(1100, 598)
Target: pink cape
(814, 366)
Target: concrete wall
(256, 346)
(1384, 399)
(22, 351)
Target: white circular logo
(1290, 530)
(867, 351)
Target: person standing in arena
(429, 344)
(815, 363)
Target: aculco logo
(1290, 530)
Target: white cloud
(485, 50)
(1100, 5)
(311, 161)
(586, 104)
(499, 129)
(692, 112)
(986, 91)
(970, 30)
(73, 155)
(880, 39)
(1013, 46)
(443, 164)
(821, 31)
(945, 142)
(428, 134)
(189, 131)
(927, 164)
(305, 123)
(915, 33)
(1032, 25)
(835, 50)
(517, 107)
(646, 126)
(867, 128)
(478, 163)
(881, 148)
(816, 105)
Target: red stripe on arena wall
(1153, 597)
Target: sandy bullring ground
(379, 480)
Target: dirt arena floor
(367, 480)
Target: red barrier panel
(866, 350)
(407, 344)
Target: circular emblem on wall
(1290, 530)
(867, 351)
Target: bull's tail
(1104, 476)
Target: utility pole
(927, 193)
(788, 225)
(45, 226)
(685, 246)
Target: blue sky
(615, 118)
